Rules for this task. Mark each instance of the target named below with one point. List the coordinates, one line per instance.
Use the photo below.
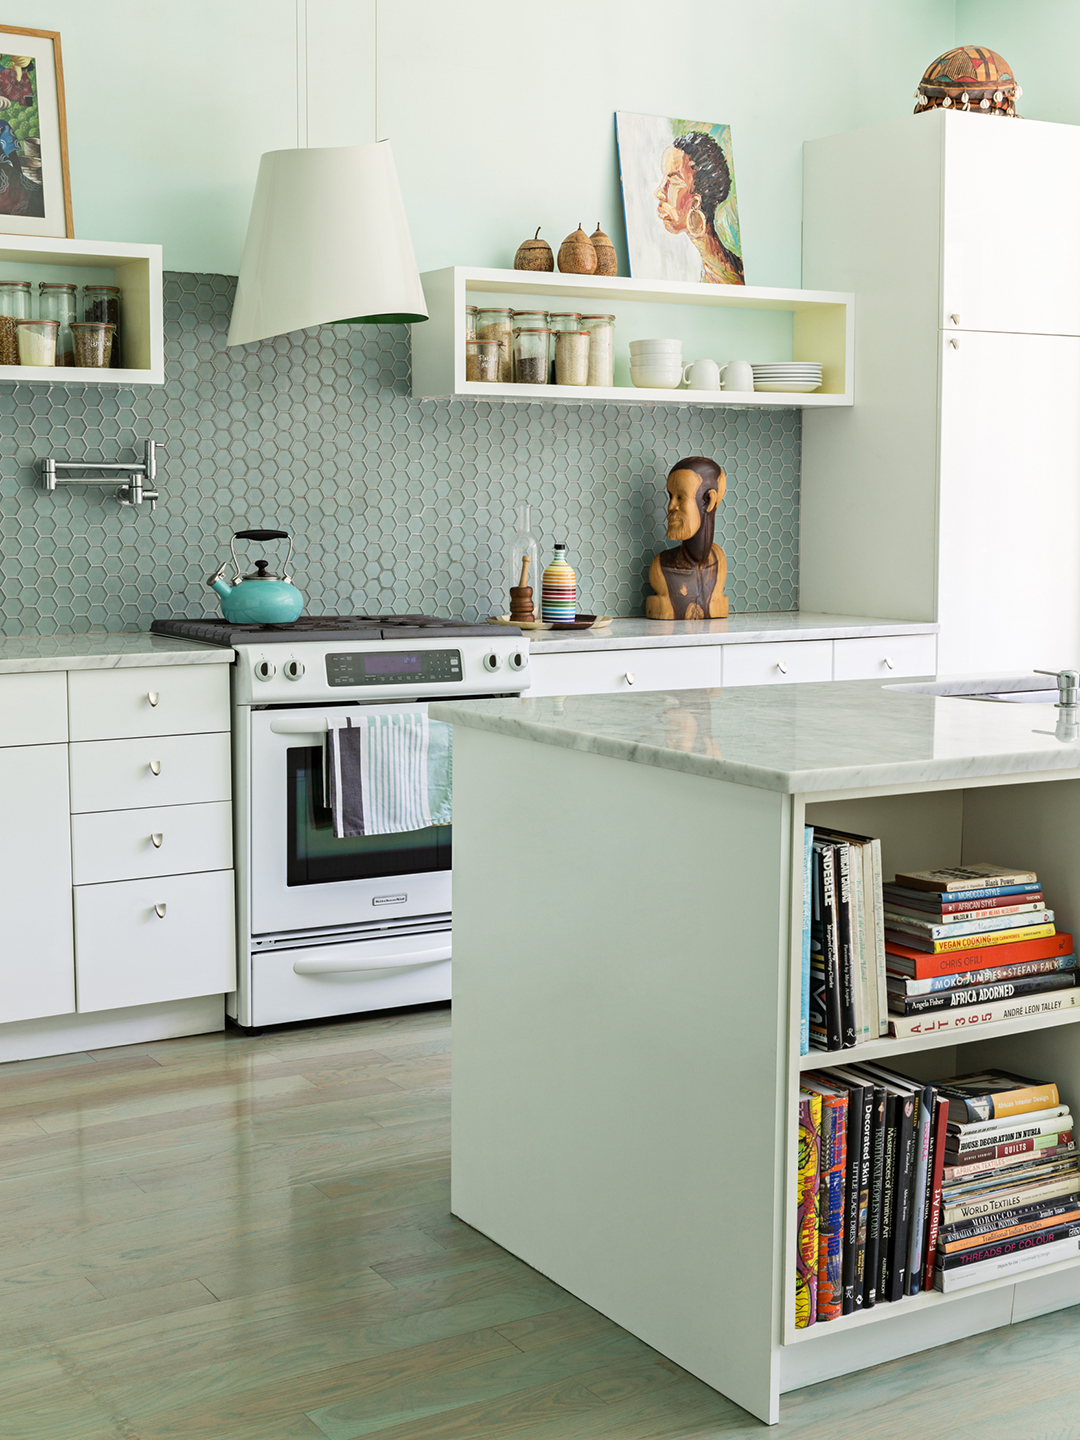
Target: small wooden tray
(518, 624)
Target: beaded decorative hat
(969, 78)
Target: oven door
(302, 876)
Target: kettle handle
(261, 535)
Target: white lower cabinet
(880, 656)
(784, 663)
(36, 975)
(136, 844)
(160, 770)
(139, 942)
(606, 672)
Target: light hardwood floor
(249, 1238)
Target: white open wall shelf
(723, 322)
(136, 269)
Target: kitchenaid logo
(389, 899)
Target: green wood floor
(228, 1238)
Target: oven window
(316, 856)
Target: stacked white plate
(798, 375)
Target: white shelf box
(136, 269)
(723, 322)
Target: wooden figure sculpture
(689, 580)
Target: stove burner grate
(212, 631)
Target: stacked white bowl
(656, 364)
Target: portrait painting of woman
(678, 183)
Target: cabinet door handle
(153, 696)
(629, 677)
(955, 319)
(954, 342)
(156, 840)
(888, 662)
(781, 667)
(155, 767)
(159, 911)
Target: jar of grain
(572, 357)
(58, 302)
(489, 360)
(531, 356)
(601, 330)
(530, 320)
(562, 321)
(93, 344)
(498, 325)
(14, 305)
(102, 303)
(37, 341)
(470, 322)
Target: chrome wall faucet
(136, 488)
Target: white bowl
(655, 379)
(655, 347)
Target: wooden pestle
(521, 602)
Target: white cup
(702, 375)
(738, 375)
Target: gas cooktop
(323, 627)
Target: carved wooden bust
(689, 580)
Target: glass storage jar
(531, 356)
(530, 320)
(37, 341)
(498, 325)
(482, 359)
(601, 330)
(14, 305)
(572, 357)
(58, 302)
(93, 343)
(524, 576)
(556, 322)
(102, 303)
(471, 312)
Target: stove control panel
(393, 667)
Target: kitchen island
(628, 916)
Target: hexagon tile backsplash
(396, 504)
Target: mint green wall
(500, 113)
(1039, 39)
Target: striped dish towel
(389, 773)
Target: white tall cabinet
(951, 491)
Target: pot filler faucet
(137, 487)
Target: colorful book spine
(1040, 1217)
(1029, 1008)
(963, 897)
(1007, 1265)
(990, 1167)
(934, 984)
(945, 917)
(845, 939)
(922, 965)
(963, 877)
(898, 925)
(877, 1189)
(1010, 1198)
(965, 1139)
(917, 1235)
(996, 1095)
(993, 1250)
(934, 1188)
(830, 1288)
(957, 998)
(804, 987)
(923, 902)
(806, 1255)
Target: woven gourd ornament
(969, 78)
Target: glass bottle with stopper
(524, 567)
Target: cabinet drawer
(781, 664)
(155, 700)
(884, 655)
(136, 844)
(120, 774)
(126, 953)
(33, 709)
(603, 672)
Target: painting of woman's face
(676, 190)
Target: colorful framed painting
(35, 190)
(678, 185)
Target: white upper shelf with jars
(717, 322)
(131, 299)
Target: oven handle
(299, 727)
(344, 967)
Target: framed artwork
(678, 186)
(35, 190)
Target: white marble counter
(101, 650)
(735, 630)
(793, 738)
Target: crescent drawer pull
(156, 840)
(155, 767)
(348, 966)
(153, 696)
(159, 911)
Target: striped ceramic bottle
(558, 598)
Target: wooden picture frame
(35, 184)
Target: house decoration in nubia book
(678, 186)
(969, 78)
(688, 581)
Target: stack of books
(1010, 1197)
(905, 1186)
(972, 945)
(844, 992)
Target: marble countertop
(735, 630)
(102, 650)
(835, 736)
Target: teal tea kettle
(259, 598)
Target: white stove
(328, 926)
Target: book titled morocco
(1012, 1264)
(901, 1027)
